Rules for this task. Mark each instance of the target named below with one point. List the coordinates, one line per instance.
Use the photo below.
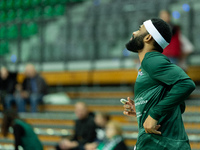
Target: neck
(141, 53)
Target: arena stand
(101, 77)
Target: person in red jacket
(180, 47)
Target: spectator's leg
(8, 100)
(20, 102)
(34, 100)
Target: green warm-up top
(160, 90)
(25, 136)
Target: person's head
(30, 71)
(81, 110)
(101, 119)
(154, 34)
(165, 15)
(4, 73)
(8, 117)
(113, 129)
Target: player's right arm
(129, 108)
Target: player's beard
(136, 43)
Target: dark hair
(8, 117)
(105, 115)
(164, 29)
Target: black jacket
(7, 86)
(85, 130)
(40, 82)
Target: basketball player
(160, 90)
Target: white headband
(156, 35)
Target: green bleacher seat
(45, 2)
(53, 2)
(12, 32)
(19, 14)
(28, 29)
(17, 4)
(2, 16)
(75, 0)
(35, 3)
(2, 4)
(33, 28)
(4, 48)
(59, 10)
(28, 15)
(3, 32)
(11, 15)
(48, 11)
(64, 1)
(24, 31)
(37, 12)
(26, 3)
(9, 4)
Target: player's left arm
(179, 92)
(168, 74)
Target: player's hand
(150, 125)
(129, 108)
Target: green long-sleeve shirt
(160, 90)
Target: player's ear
(148, 38)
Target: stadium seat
(45, 2)
(17, 4)
(9, 4)
(64, 1)
(2, 4)
(19, 14)
(12, 32)
(26, 3)
(53, 2)
(75, 0)
(24, 31)
(35, 3)
(2, 32)
(33, 28)
(28, 15)
(48, 11)
(2, 16)
(28, 29)
(59, 10)
(11, 15)
(4, 48)
(37, 12)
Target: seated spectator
(24, 135)
(33, 89)
(84, 131)
(7, 87)
(101, 119)
(114, 137)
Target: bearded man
(160, 90)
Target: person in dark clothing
(7, 87)
(84, 131)
(101, 119)
(23, 133)
(114, 139)
(33, 89)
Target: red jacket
(174, 47)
